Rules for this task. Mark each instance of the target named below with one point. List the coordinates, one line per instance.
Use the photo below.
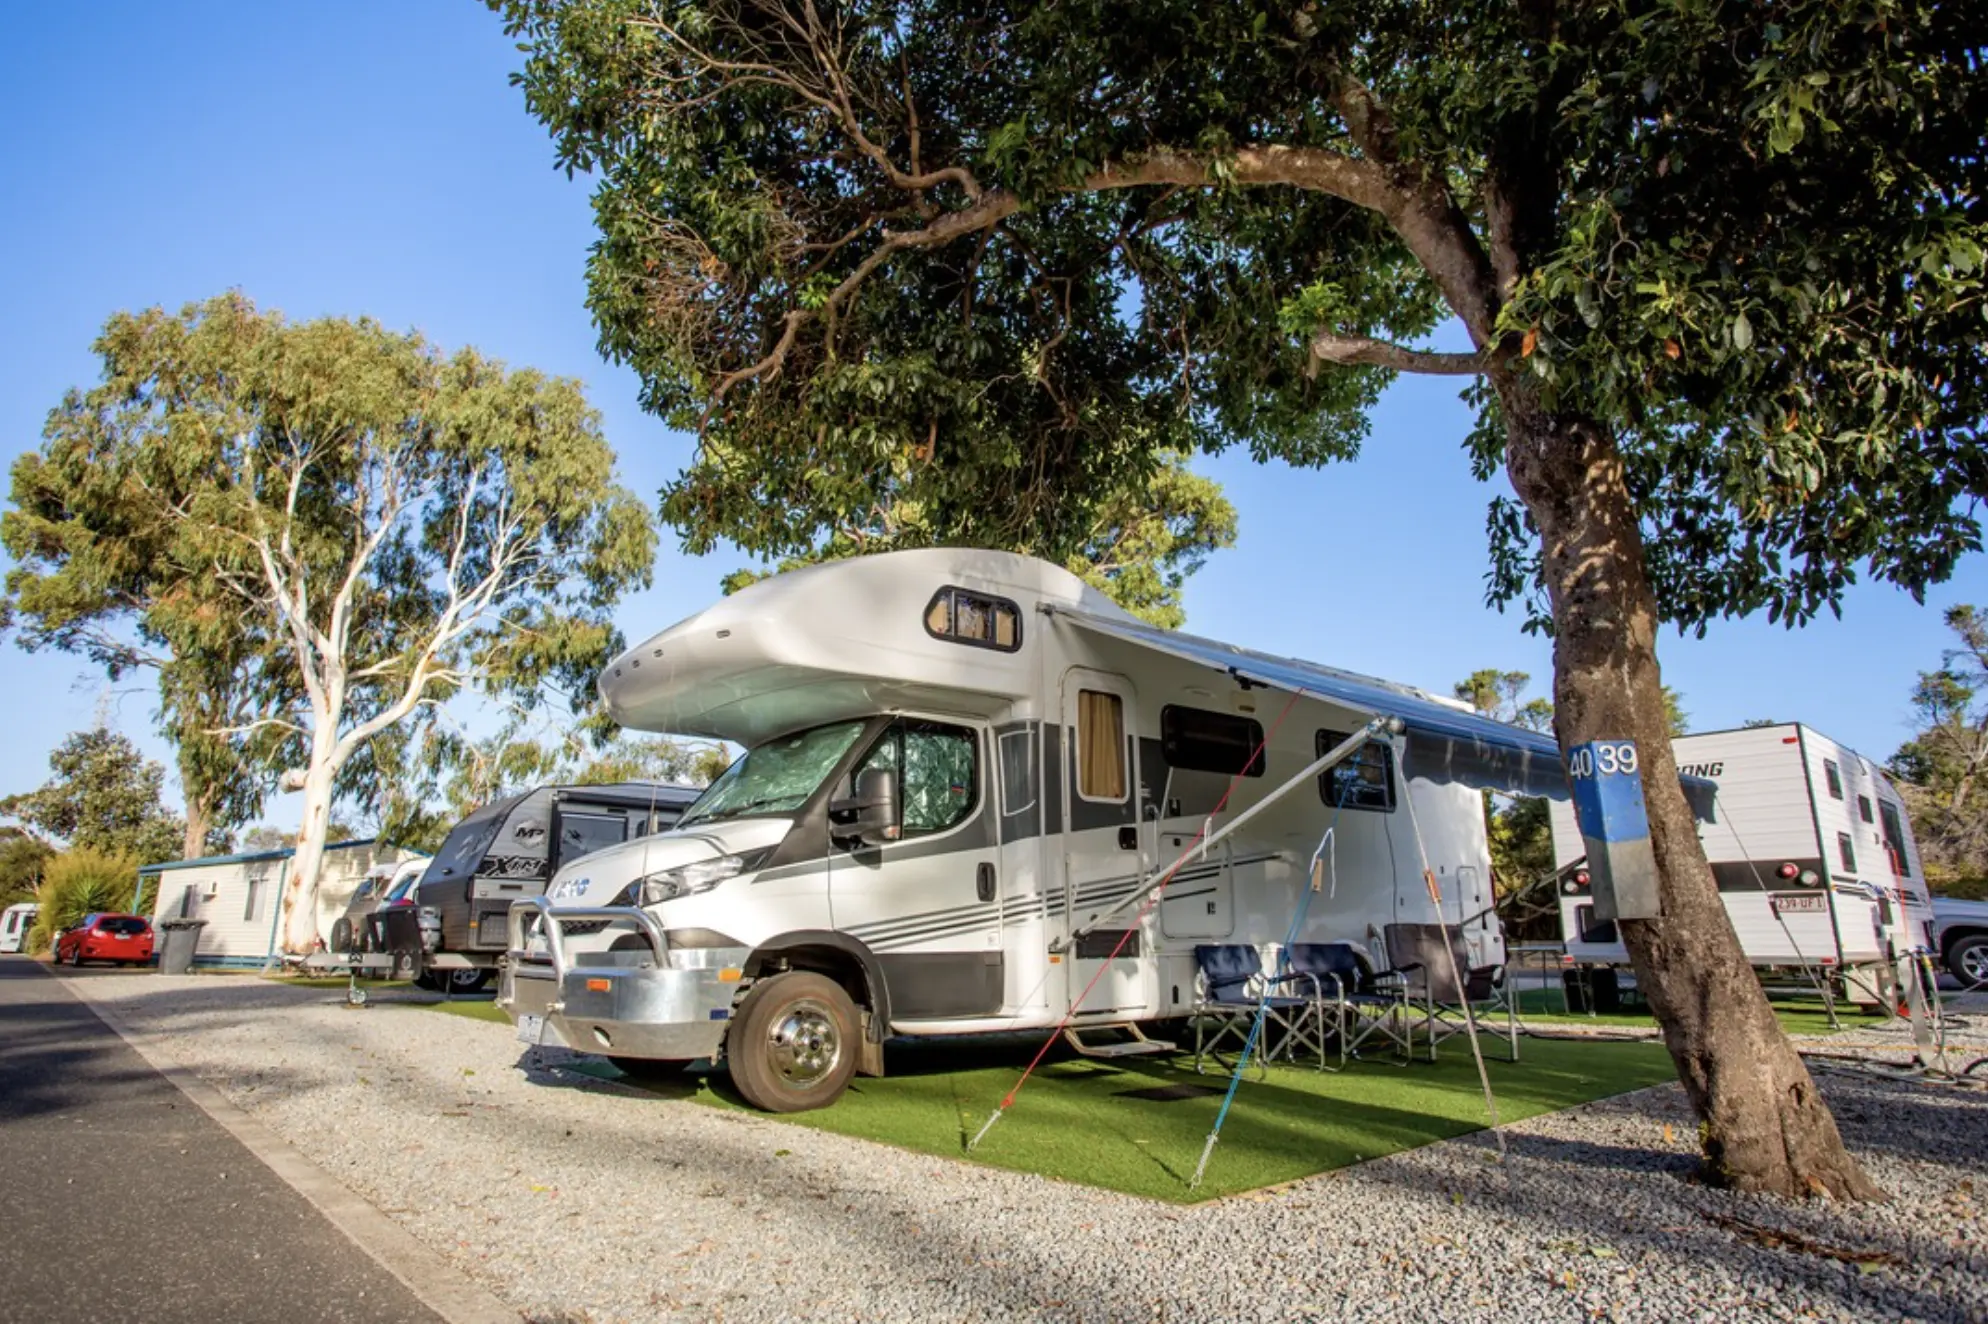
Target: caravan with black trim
(978, 796)
(1812, 851)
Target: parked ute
(1960, 935)
(119, 939)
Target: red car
(120, 939)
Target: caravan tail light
(1787, 871)
(1576, 883)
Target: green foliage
(1141, 546)
(905, 258)
(104, 798)
(23, 858)
(386, 527)
(1940, 770)
(78, 882)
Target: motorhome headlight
(690, 879)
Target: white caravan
(1810, 847)
(966, 771)
(15, 922)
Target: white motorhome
(1811, 849)
(966, 771)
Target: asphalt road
(122, 1201)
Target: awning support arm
(1339, 753)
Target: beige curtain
(1100, 746)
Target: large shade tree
(103, 795)
(401, 526)
(1713, 271)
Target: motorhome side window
(1894, 838)
(974, 618)
(1864, 807)
(1835, 776)
(1197, 740)
(1846, 851)
(1100, 746)
(938, 773)
(1363, 780)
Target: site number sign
(1607, 781)
(1603, 758)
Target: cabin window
(1198, 740)
(1864, 807)
(252, 903)
(1835, 776)
(938, 782)
(1363, 780)
(1017, 771)
(1846, 850)
(1100, 746)
(966, 617)
(1894, 838)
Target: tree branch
(1363, 351)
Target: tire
(341, 936)
(649, 1068)
(1968, 960)
(426, 980)
(463, 981)
(793, 1044)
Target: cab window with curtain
(1100, 746)
(938, 773)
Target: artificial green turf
(1797, 1015)
(1073, 1121)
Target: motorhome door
(929, 904)
(1104, 847)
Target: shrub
(75, 883)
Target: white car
(1960, 931)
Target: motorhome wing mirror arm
(1339, 753)
(869, 817)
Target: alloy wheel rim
(805, 1044)
(1974, 965)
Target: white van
(966, 773)
(15, 921)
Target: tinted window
(583, 834)
(1363, 780)
(1894, 838)
(124, 926)
(938, 781)
(1198, 740)
(974, 618)
(1847, 851)
(1864, 807)
(1835, 777)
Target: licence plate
(530, 1029)
(1788, 903)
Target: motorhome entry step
(1133, 1044)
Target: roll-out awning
(1442, 743)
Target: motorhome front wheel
(792, 1045)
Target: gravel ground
(576, 1200)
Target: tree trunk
(199, 818)
(1766, 1127)
(300, 894)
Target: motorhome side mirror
(869, 817)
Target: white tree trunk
(300, 894)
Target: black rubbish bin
(1591, 989)
(177, 940)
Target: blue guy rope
(1263, 997)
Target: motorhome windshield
(776, 777)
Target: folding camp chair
(1428, 982)
(1230, 991)
(1348, 1001)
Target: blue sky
(370, 157)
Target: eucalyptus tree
(1716, 269)
(401, 526)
